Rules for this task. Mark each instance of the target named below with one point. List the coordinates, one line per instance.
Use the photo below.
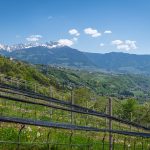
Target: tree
(128, 109)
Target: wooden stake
(110, 124)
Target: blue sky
(88, 25)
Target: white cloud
(74, 32)
(102, 44)
(117, 42)
(131, 44)
(34, 38)
(65, 42)
(125, 45)
(107, 32)
(92, 32)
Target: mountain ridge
(59, 55)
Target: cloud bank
(34, 38)
(92, 32)
(125, 45)
(65, 42)
(74, 32)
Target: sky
(99, 26)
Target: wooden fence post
(110, 124)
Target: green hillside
(61, 83)
(21, 70)
(117, 85)
(88, 87)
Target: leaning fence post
(19, 134)
(103, 141)
(70, 139)
(110, 125)
(48, 139)
(72, 102)
(51, 109)
(35, 113)
(106, 111)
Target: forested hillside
(117, 85)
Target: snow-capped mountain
(54, 53)
(10, 48)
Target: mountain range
(52, 53)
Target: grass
(41, 138)
(36, 138)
